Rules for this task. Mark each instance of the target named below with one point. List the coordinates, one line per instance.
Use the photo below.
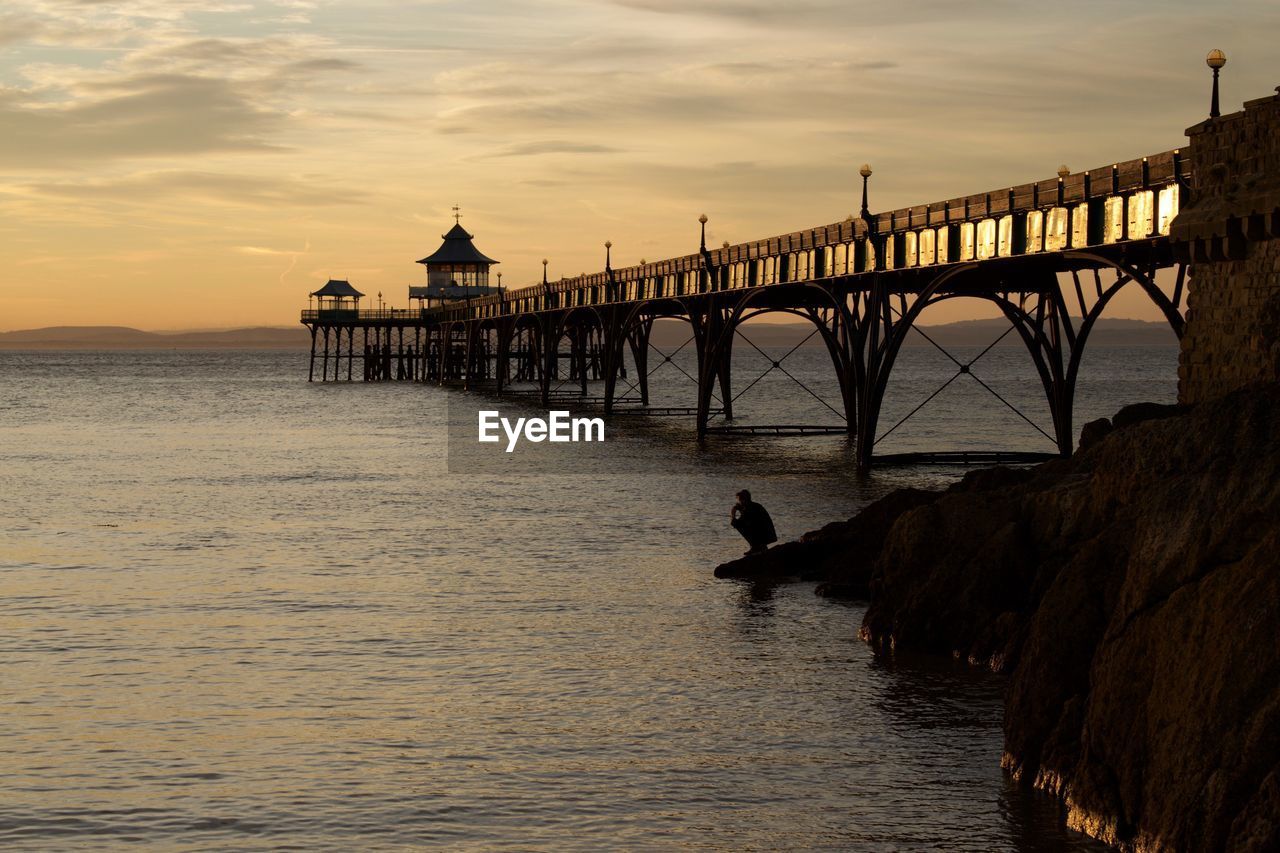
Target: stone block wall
(1233, 327)
(1229, 231)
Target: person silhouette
(753, 522)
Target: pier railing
(347, 315)
(1133, 200)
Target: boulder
(787, 560)
(1133, 595)
(1139, 412)
(839, 555)
(1094, 431)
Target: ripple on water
(241, 612)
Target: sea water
(241, 611)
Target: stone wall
(1233, 330)
(1228, 231)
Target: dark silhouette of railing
(1081, 202)
(1030, 250)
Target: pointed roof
(457, 248)
(337, 287)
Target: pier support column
(1059, 388)
(385, 364)
(581, 340)
(724, 367)
(351, 351)
(638, 339)
(470, 357)
(337, 352)
(707, 326)
(552, 331)
(442, 353)
(877, 353)
(502, 357)
(612, 342)
(324, 367)
(311, 370)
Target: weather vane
(457, 214)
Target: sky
(180, 164)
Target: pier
(1050, 254)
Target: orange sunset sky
(173, 164)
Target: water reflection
(244, 612)
(757, 597)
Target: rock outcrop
(1132, 594)
(842, 554)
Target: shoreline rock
(1132, 595)
(841, 555)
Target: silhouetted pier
(1050, 255)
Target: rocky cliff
(1132, 594)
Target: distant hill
(123, 337)
(1106, 332)
(666, 334)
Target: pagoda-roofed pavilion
(457, 270)
(337, 295)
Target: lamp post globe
(865, 172)
(1215, 60)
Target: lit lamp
(703, 220)
(865, 172)
(1215, 60)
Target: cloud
(143, 117)
(28, 27)
(681, 93)
(821, 12)
(263, 250)
(276, 59)
(553, 146)
(17, 28)
(175, 97)
(177, 186)
(190, 126)
(161, 10)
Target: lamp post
(865, 172)
(1215, 60)
(1063, 171)
(703, 220)
(609, 287)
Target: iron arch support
(633, 330)
(1167, 307)
(830, 330)
(881, 355)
